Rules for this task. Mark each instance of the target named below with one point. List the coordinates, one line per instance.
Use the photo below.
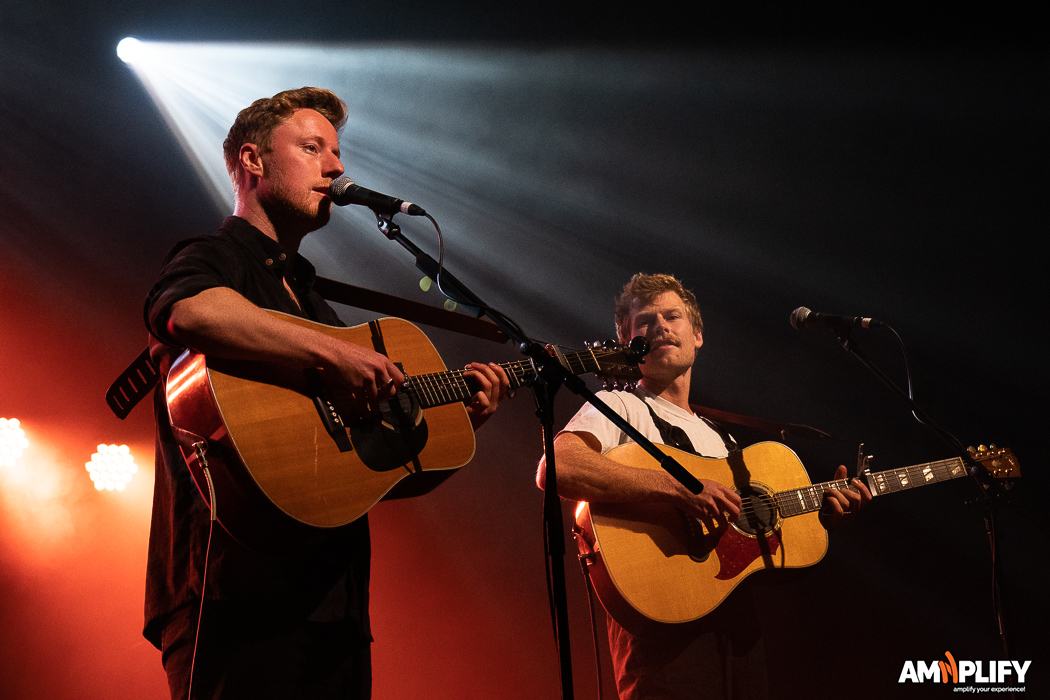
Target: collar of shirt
(268, 252)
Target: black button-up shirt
(331, 581)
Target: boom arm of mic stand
(973, 466)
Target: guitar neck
(809, 498)
(443, 388)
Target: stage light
(112, 467)
(12, 441)
(129, 49)
(504, 143)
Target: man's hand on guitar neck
(840, 506)
(493, 385)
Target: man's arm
(221, 322)
(585, 475)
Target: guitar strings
(447, 387)
(807, 499)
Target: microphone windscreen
(338, 189)
(798, 318)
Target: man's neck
(675, 391)
(256, 216)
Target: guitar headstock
(618, 363)
(1000, 462)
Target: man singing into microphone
(269, 627)
(722, 655)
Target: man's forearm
(221, 322)
(585, 475)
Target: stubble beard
(297, 217)
(670, 368)
(291, 209)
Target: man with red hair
(233, 622)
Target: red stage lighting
(12, 441)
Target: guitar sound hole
(396, 439)
(758, 514)
(400, 411)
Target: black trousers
(242, 652)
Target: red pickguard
(736, 551)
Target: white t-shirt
(632, 406)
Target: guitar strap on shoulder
(729, 441)
(676, 437)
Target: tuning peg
(617, 385)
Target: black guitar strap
(133, 385)
(377, 337)
(676, 437)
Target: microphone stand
(992, 488)
(550, 376)
(429, 267)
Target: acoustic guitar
(651, 564)
(281, 453)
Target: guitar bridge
(330, 418)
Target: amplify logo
(963, 671)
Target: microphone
(802, 318)
(345, 191)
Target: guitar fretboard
(443, 388)
(809, 498)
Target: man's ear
(699, 340)
(250, 158)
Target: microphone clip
(386, 225)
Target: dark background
(880, 162)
